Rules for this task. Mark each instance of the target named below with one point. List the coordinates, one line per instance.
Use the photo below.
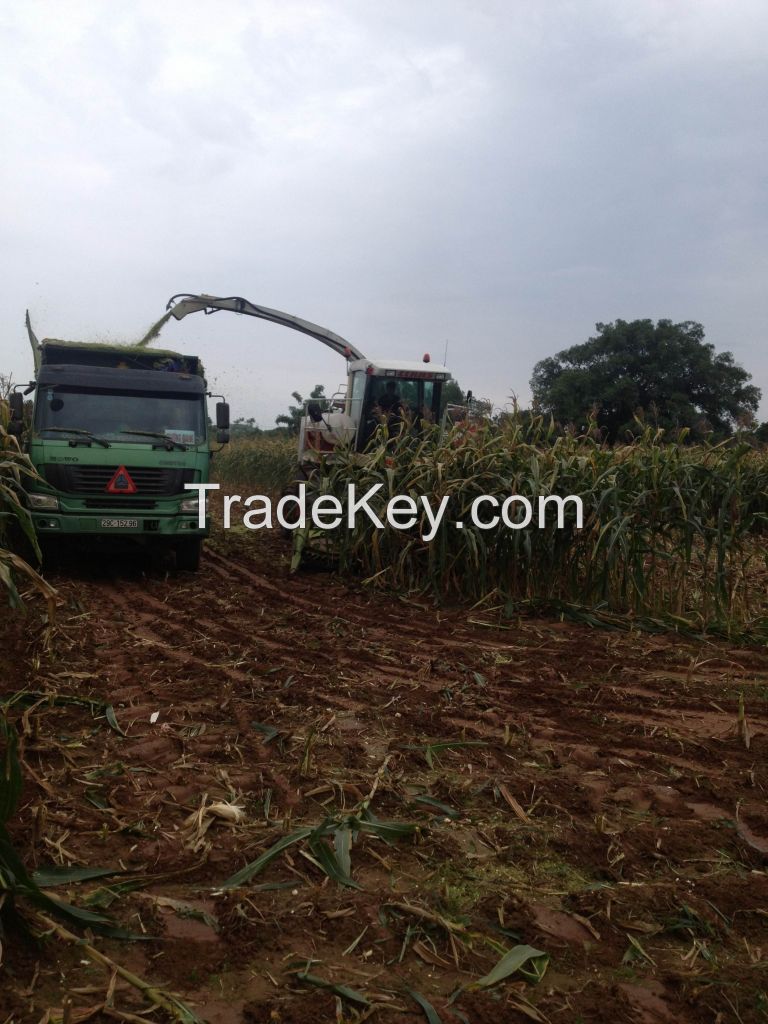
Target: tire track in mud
(243, 641)
(340, 599)
(560, 715)
(128, 600)
(144, 627)
(362, 653)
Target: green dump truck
(116, 433)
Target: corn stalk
(15, 520)
(671, 532)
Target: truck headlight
(191, 505)
(43, 501)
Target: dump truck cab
(116, 433)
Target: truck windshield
(109, 413)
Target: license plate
(119, 524)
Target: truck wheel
(188, 554)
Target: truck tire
(188, 554)
(50, 550)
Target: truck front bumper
(119, 524)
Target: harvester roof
(401, 368)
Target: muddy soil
(588, 792)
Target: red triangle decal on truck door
(121, 482)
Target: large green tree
(664, 371)
(451, 394)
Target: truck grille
(111, 501)
(149, 480)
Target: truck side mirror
(314, 412)
(16, 402)
(222, 416)
(15, 428)
(222, 436)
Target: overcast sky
(494, 176)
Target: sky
(487, 178)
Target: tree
(663, 372)
(451, 394)
(245, 429)
(292, 419)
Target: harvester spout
(182, 304)
(33, 342)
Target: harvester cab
(376, 392)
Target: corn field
(264, 465)
(15, 523)
(671, 532)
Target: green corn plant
(328, 846)
(264, 465)
(672, 532)
(15, 520)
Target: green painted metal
(143, 516)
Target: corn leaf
(251, 870)
(10, 781)
(352, 995)
(342, 841)
(52, 875)
(329, 862)
(512, 961)
(428, 1009)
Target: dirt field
(600, 802)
